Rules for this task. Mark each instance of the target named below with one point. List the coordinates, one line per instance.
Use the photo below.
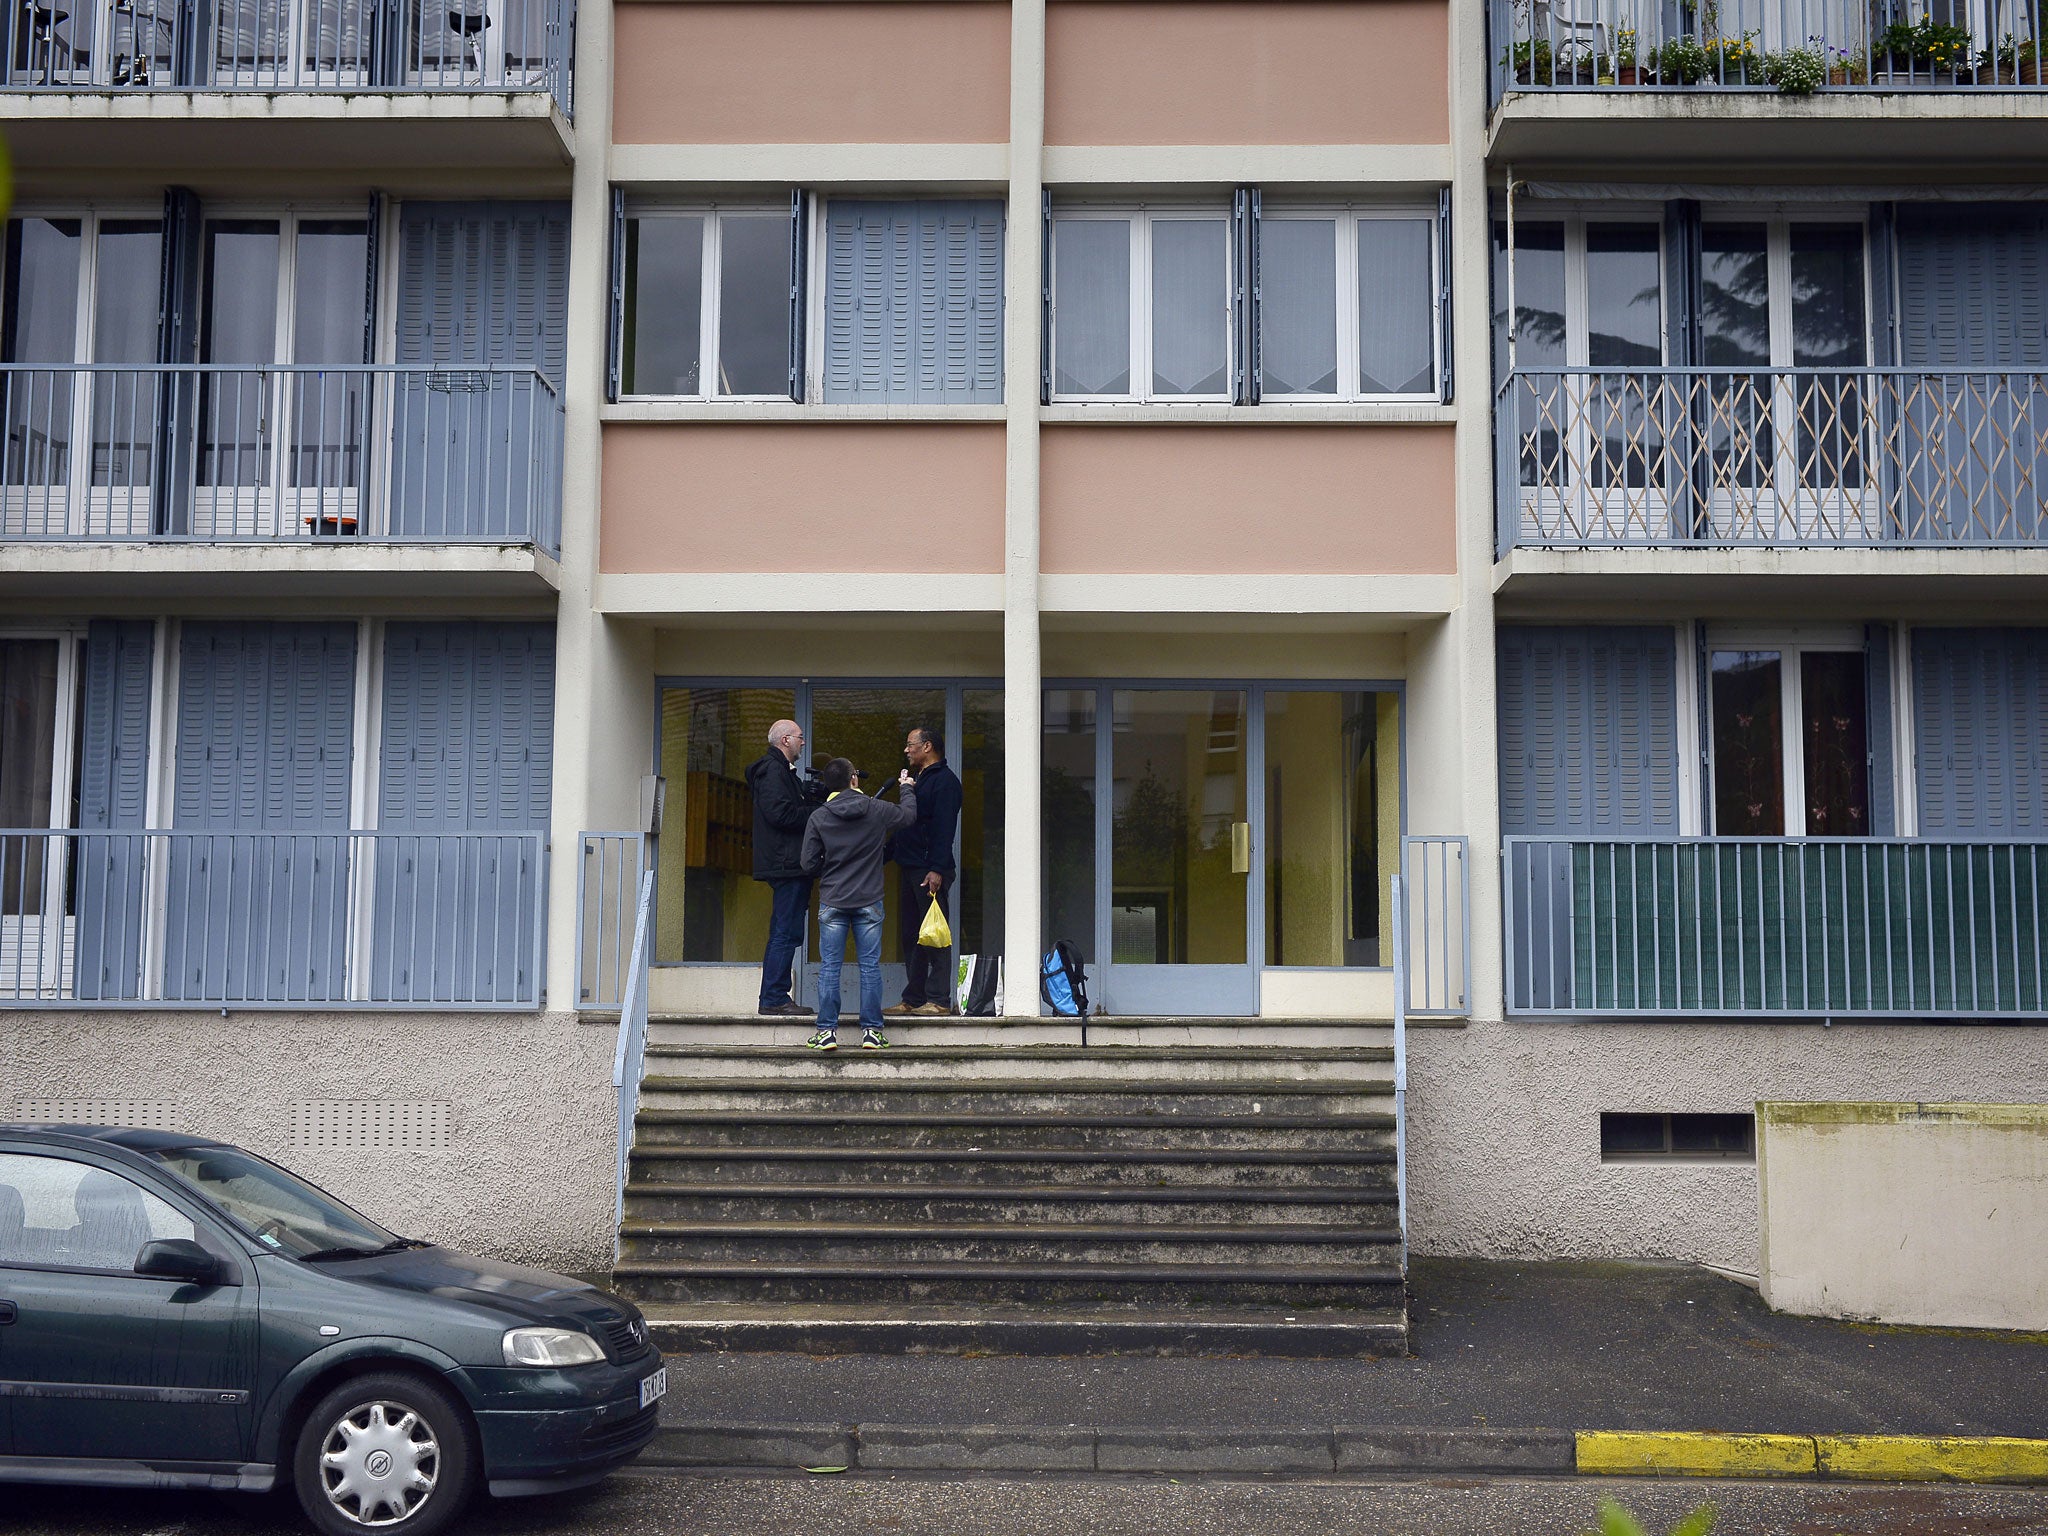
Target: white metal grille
(372, 1122)
(143, 1114)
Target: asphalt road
(646, 1505)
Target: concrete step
(985, 1065)
(910, 1205)
(1262, 1169)
(867, 1094)
(929, 1030)
(837, 1328)
(982, 1282)
(665, 1128)
(1006, 1242)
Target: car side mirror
(178, 1258)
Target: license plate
(654, 1387)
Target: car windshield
(279, 1211)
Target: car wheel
(386, 1452)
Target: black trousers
(927, 973)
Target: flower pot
(2026, 72)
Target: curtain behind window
(28, 740)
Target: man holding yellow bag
(923, 855)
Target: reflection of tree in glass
(1735, 306)
(1068, 819)
(1150, 838)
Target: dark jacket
(781, 808)
(843, 846)
(929, 844)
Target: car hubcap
(379, 1463)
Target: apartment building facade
(1278, 446)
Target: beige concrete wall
(1906, 1213)
(1247, 500)
(526, 1171)
(811, 74)
(881, 497)
(1277, 72)
(1504, 1132)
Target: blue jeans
(785, 936)
(866, 923)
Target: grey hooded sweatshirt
(843, 845)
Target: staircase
(1165, 1187)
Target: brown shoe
(936, 1009)
(899, 1009)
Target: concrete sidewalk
(1559, 1349)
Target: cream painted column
(1021, 690)
(588, 665)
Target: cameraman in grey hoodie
(843, 847)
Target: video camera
(814, 791)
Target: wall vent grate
(141, 1114)
(372, 1122)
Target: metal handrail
(1400, 940)
(1776, 927)
(222, 453)
(1671, 457)
(327, 919)
(629, 1062)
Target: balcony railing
(1771, 457)
(607, 886)
(218, 454)
(467, 46)
(1795, 46)
(1780, 928)
(271, 919)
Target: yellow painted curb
(1872, 1458)
(1696, 1455)
(1934, 1458)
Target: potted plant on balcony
(1846, 68)
(1921, 53)
(1628, 70)
(1682, 61)
(2017, 63)
(1734, 61)
(1532, 62)
(1796, 71)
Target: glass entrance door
(1152, 880)
(867, 726)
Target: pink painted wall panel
(1228, 500)
(802, 497)
(1246, 72)
(883, 73)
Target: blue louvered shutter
(481, 286)
(113, 793)
(1588, 731)
(914, 302)
(465, 763)
(1980, 726)
(1877, 687)
(1973, 295)
(257, 907)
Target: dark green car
(180, 1313)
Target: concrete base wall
(1906, 1213)
(493, 1133)
(1504, 1124)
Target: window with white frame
(1789, 735)
(1348, 303)
(706, 300)
(1141, 303)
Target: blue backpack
(1063, 980)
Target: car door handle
(8, 1313)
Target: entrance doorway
(710, 910)
(1196, 836)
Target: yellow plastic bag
(936, 932)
